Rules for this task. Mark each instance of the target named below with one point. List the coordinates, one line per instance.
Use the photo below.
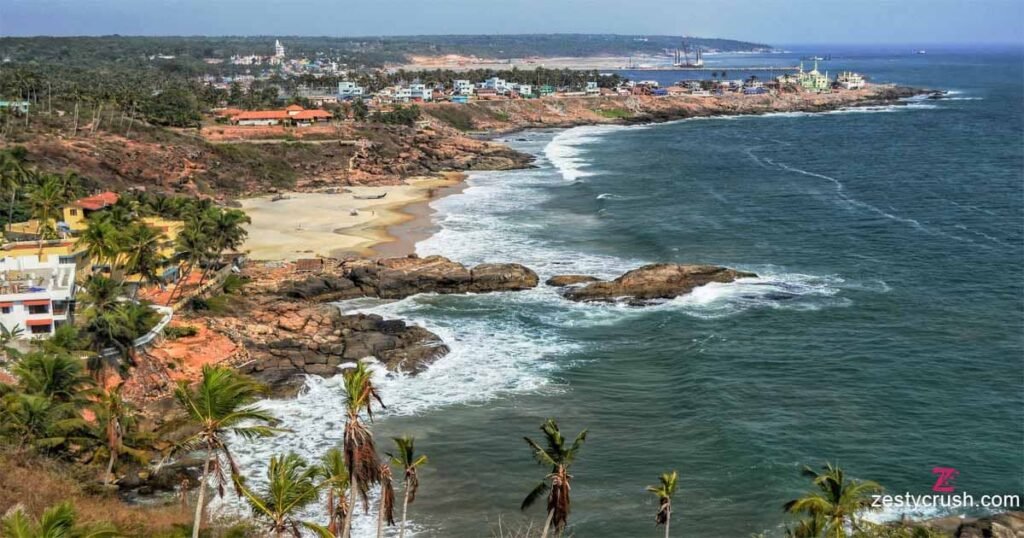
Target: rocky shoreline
(493, 119)
(288, 327)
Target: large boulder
(561, 281)
(288, 340)
(396, 278)
(322, 288)
(488, 277)
(655, 281)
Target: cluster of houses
(461, 91)
(39, 279)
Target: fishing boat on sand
(369, 196)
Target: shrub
(180, 331)
(456, 116)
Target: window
(40, 329)
(5, 309)
(73, 212)
(38, 309)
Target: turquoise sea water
(884, 332)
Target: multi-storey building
(36, 295)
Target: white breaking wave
(566, 154)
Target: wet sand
(420, 225)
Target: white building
(36, 296)
(464, 87)
(499, 85)
(348, 90)
(592, 88)
(524, 90)
(421, 92)
(849, 80)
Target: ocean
(884, 333)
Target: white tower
(278, 48)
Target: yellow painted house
(74, 220)
(76, 214)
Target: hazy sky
(771, 21)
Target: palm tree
(226, 228)
(192, 246)
(334, 474)
(34, 420)
(58, 521)
(835, 499)
(116, 424)
(12, 177)
(118, 327)
(291, 486)
(141, 248)
(387, 500)
(357, 441)
(45, 202)
(664, 492)
(559, 458)
(407, 460)
(101, 293)
(57, 376)
(8, 335)
(100, 240)
(221, 404)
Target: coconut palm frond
(535, 494)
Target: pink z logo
(944, 479)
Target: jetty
(715, 68)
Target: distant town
(382, 96)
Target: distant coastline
(319, 226)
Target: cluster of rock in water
(289, 331)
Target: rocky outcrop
(287, 339)
(656, 281)
(396, 278)
(561, 281)
(1004, 525)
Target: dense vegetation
(355, 52)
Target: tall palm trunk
(405, 509)
(75, 131)
(380, 518)
(347, 531)
(10, 212)
(110, 468)
(332, 525)
(198, 521)
(182, 276)
(547, 524)
(667, 523)
(131, 120)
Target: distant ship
(921, 51)
(682, 56)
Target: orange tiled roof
(97, 201)
(262, 115)
(294, 107)
(312, 115)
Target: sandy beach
(311, 224)
(465, 63)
